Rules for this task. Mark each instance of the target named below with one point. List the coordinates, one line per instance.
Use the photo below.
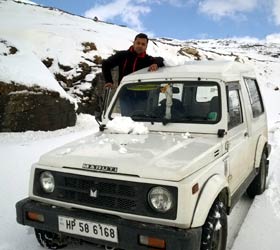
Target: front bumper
(128, 231)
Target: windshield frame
(188, 83)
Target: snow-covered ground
(39, 33)
(261, 228)
(17, 152)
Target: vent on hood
(216, 153)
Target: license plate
(88, 228)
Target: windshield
(180, 102)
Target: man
(130, 60)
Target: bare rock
(89, 46)
(190, 51)
(48, 62)
(25, 108)
(64, 67)
(97, 60)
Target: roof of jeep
(223, 70)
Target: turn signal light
(35, 216)
(152, 242)
(195, 188)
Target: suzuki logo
(93, 193)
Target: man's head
(140, 43)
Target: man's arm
(109, 63)
(159, 61)
(156, 62)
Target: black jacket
(128, 62)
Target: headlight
(47, 182)
(160, 199)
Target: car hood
(164, 156)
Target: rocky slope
(52, 46)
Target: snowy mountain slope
(72, 47)
(26, 1)
(59, 36)
(20, 68)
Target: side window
(235, 116)
(206, 93)
(255, 97)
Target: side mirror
(221, 133)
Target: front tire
(50, 240)
(258, 185)
(214, 231)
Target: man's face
(140, 45)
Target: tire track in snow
(273, 192)
(236, 219)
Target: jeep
(169, 185)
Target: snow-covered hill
(62, 52)
(72, 48)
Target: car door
(237, 138)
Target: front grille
(116, 195)
(112, 195)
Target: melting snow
(218, 226)
(125, 125)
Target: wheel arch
(215, 188)
(262, 146)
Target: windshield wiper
(150, 118)
(146, 117)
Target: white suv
(169, 185)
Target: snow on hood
(174, 156)
(125, 125)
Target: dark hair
(141, 35)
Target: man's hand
(153, 67)
(108, 85)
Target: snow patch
(123, 150)
(28, 70)
(65, 151)
(218, 226)
(174, 61)
(26, 1)
(125, 125)
(217, 215)
(186, 135)
(273, 193)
